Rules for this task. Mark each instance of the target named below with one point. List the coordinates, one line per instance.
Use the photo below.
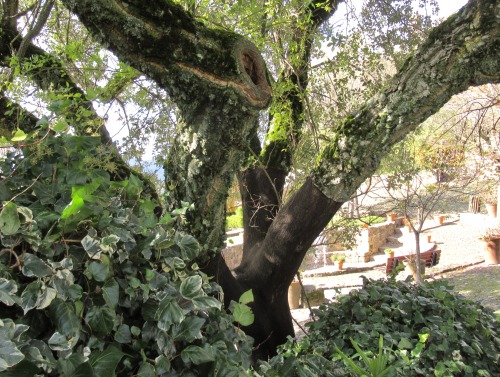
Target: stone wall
(372, 238)
(232, 255)
(368, 243)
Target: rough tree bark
(220, 83)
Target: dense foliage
(427, 331)
(93, 283)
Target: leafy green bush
(370, 220)
(427, 331)
(236, 220)
(92, 283)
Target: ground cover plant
(427, 330)
(93, 283)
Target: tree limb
(461, 52)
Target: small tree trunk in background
(418, 278)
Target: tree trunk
(219, 81)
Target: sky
(448, 7)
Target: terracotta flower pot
(294, 292)
(391, 217)
(390, 255)
(491, 209)
(440, 219)
(491, 252)
(340, 265)
(429, 238)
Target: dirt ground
(480, 283)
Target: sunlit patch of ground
(479, 283)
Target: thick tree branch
(13, 116)
(288, 108)
(461, 52)
(52, 74)
(167, 44)
(217, 78)
(36, 28)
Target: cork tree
(220, 83)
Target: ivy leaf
(198, 355)
(189, 329)
(166, 219)
(29, 297)
(64, 317)
(19, 135)
(97, 271)
(75, 206)
(146, 370)
(21, 369)
(101, 320)
(111, 293)
(404, 343)
(206, 302)
(162, 365)
(168, 313)
(84, 370)
(123, 334)
(246, 297)
(27, 213)
(191, 287)
(60, 342)
(34, 266)
(9, 355)
(91, 246)
(45, 297)
(8, 289)
(108, 241)
(9, 220)
(104, 363)
(68, 365)
(60, 127)
(189, 246)
(243, 314)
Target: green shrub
(427, 331)
(370, 220)
(236, 220)
(92, 283)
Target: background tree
(426, 175)
(220, 84)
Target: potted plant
(440, 219)
(389, 252)
(491, 239)
(490, 200)
(407, 224)
(340, 259)
(391, 217)
(411, 267)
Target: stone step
(394, 239)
